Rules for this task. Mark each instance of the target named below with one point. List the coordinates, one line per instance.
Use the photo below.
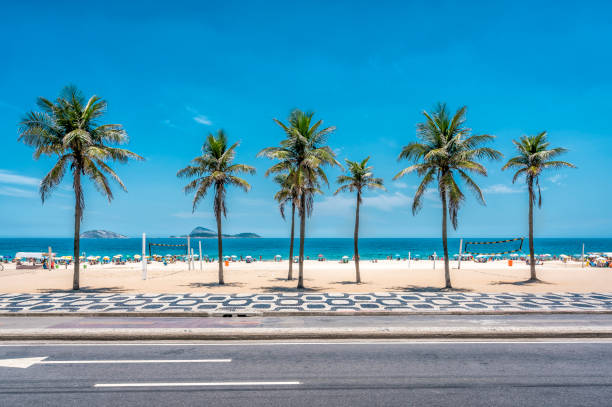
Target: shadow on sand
(292, 289)
(417, 289)
(520, 283)
(85, 290)
(211, 285)
(347, 282)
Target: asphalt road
(544, 373)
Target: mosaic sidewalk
(303, 302)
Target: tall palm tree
(287, 194)
(290, 192)
(359, 179)
(534, 157)
(446, 148)
(215, 169)
(69, 129)
(304, 152)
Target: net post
(144, 259)
(582, 257)
(188, 252)
(409, 260)
(460, 248)
(200, 244)
(434, 260)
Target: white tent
(32, 255)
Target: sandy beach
(492, 277)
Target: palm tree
(285, 195)
(360, 179)
(534, 157)
(290, 192)
(69, 128)
(304, 152)
(215, 169)
(446, 148)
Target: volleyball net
(167, 245)
(494, 247)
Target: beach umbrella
(514, 255)
(345, 257)
(105, 258)
(91, 257)
(137, 256)
(320, 255)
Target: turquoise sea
(331, 248)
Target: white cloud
(388, 202)
(189, 215)
(8, 177)
(400, 185)
(341, 204)
(16, 192)
(556, 179)
(501, 189)
(202, 120)
(168, 123)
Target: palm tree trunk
(447, 279)
(356, 238)
(290, 275)
(532, 267)
(302, 211)
(78, 213)
(220, 247)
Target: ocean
(267, 248)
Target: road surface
(359, 373)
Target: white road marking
(21, 363)
(94, 362)
(185, 384)
(24, 363)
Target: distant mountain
(101, 234)
(202, 232)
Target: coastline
(327, 276)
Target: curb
(302, 333)
(218, 314)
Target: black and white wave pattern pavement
(303, 302)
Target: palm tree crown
(447, 148)
(359, 178)
(535, 157)
(215, 168)
(69, 129)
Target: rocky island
(101, 234)
(204, 233)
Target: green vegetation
(446, 153)
(534, 157)
(446, 149)
(359, 179)
(304, 153)
(69, 129)
(214, 169)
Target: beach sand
(329, 276)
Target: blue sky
(172, 72)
